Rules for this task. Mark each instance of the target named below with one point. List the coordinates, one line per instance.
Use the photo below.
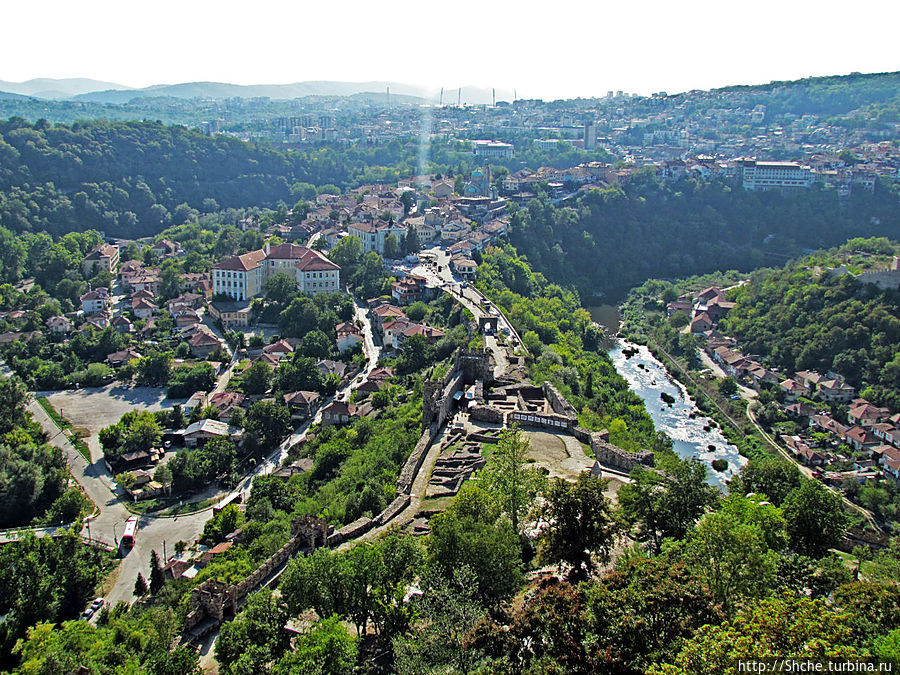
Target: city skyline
(571, 51)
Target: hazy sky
(546, 49)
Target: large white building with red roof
(244, 276)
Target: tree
(728, 387)
(316, 345)
(140, 586)
(347, 253)
(13, 399)
(280, 288)
(580, 524)
(412, 244)
(153, 369)
(645, 608)
(177, 418)
(508, 477)
(814, 518)
(326, 648)
(257, 378)
(788, 626)
(256, 637)
(157, 580)
(143, 433)
(222, 524)
(415, 354)
(470, 534)
(666, 505)
(773, 477)
(391, 246)
(170, 282)
(408, 200)
(269, 421)
(731, 557)
(449, 612)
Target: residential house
(329, 367)
(835, 390)
(339, 412)
(384, 313)
(59, 325)
(145, 280)
(231, 314)
(442, 189)
(120, 358)
(302, 404)
(143, 308)
(348, 336)
(164, 248)
(200, 432)
(408, 290)
(793, 390)
(122, 324)
(679, 307)
(866, 414)
(809, 379)
(861, 438)
(226, 402)
(94, 301)
(197, 400)
(701, 323)
(826, 423)
(401, 336)
(463, 266)
(188, 318)
(203, 343)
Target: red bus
(131, 526)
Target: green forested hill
(805, 317)
(129, 178)
(620, 237)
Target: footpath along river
(648, 378)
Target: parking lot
(98, 407)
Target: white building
(775, 175)
(492, 149)
(244, 276)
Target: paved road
(472, 300)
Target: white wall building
(244, 276)
(775, 175)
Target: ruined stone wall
(392, 510)
(477, 364)
(486, 413)
(558, 402)
(414, 461)
(215, 599)
(354, 529)
(618, 458)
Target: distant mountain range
(94, 91)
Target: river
(689, 435)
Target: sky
(546, 50)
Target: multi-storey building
(775, 175)
(244, 276)
(104, 258)
(492, 149)
(373, 236)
